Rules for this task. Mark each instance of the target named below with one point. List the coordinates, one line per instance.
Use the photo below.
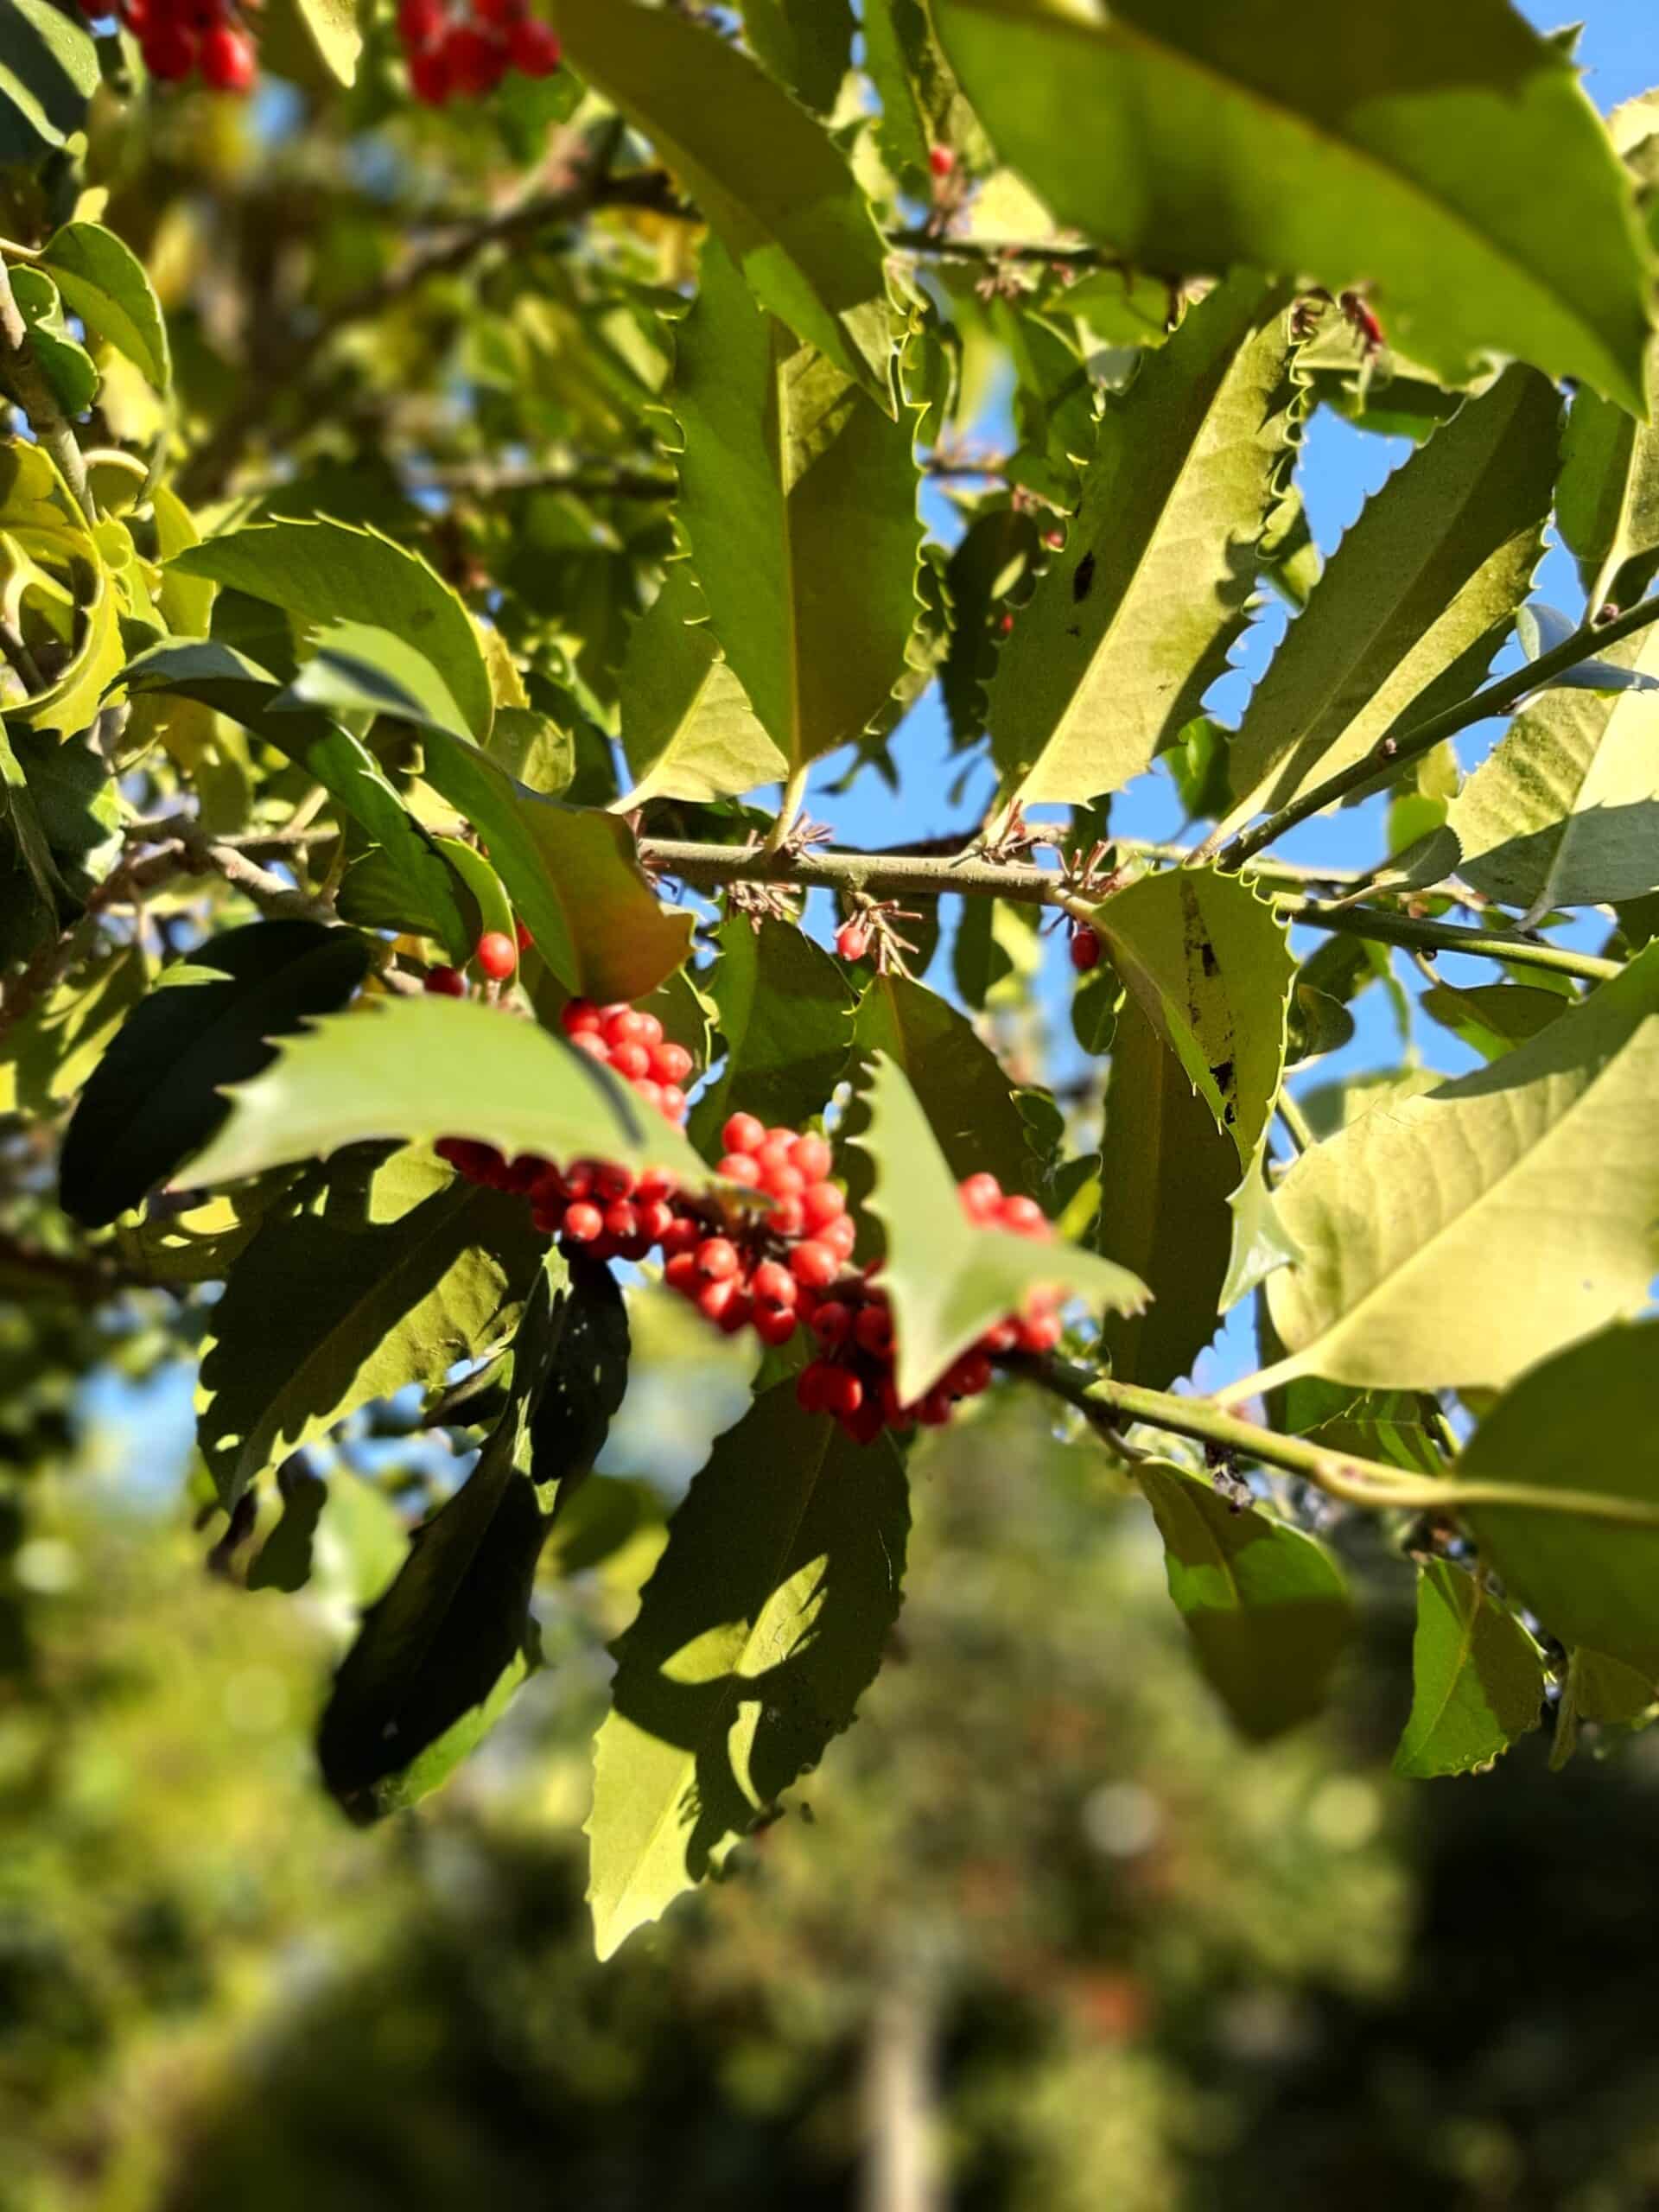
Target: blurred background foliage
(1040, 1907)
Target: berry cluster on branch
(464, 51)
(182, 39)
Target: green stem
(789, 812)
(1104, 1403)
(1384, 759)
(1446, 936)
(1302, 1135)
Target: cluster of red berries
(464, 52)
(778, 1265)
(180, 39)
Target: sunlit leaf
(107, 286)
(1478, 1684)
(785, 1013)
(688, 727)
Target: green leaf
(1167, 1170)
(324, 572)
(997, 550)
(1587, 1420)
(588, 1381)
(785, 1012)
(688, 728)
(1413, 604)
(761, 1628)
(155, 1097)
(572, 873)
(105, 284)
(49, 70)
(56, 1049)
(407, 879)
(439, 1656)
(806, 44)
(1492, 1018)
(773, 186)
(1565, 811)
(1265, 1606)
(922, 104)
(1478, 1681)
(1131, 623)
(949, 1281)
(1450, 161)
(332, 26)
(50, 556)
(967, 1099)
(799, 503)
(1607, 501)
(1604, 1692)
(426, 1068)
(400, 1272)
(65, 362)
(1534, 1175)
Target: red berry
(1085, 948)
(866, 1422)
(579, 1179)
(773, 1325)
(681, 1237)
(590, 1041)
(623, 1025)
(612, 1180)
(656, 1219)
(774, 1286)
(524, 938)
(420, 23)
(742, 1133)
(1041, 1334)
(1025, 1217)
(535, 49)
(714, 1298)
(428, 76)
(740, 1167)
(853, 939)
(786, 1218)
(812, 1155)
(811, 1386)
(971, 1375)
(476, 59)
(717, 1259)
(622, 1222)
(874, 1330)
(671, 1062)
(169, 51)
(497, 954)
(822, 1203)
(815, 1264)
(982, 1197)
(941, 161)
(1002, 1339)
(840, 1235)
(445, 982)
(672, 1102)
(631, 1060)
(577, 1015)
(583, 1223)
(648, 1093)
(680, 1273)
(844, 1393)
(229, 61)
(832, 1322)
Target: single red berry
(655, 1218)
(740, 1167)
(524, 938)
(743, 1132)
(671, 1062)
(169, 51)
(428, 76)
(681, 1237)
(1085, 948)
(1005, 625)
(445, 982)
(672, 1102)
(840, 1235)
(815, 1264)
(230, 61)
(1002, 1339)
(624, 1026)
(476, 59)
(738, 1311)
(135, 14)
(982, 1197)
(590, 1041)
(1041, 1334)
(718, 1259)
(632, 1061)
(622, 1222)
(1025, 1217)
(786, 1218)
(496, 954)
(577, 1015)
(941, 161)
(822, 1203)
(832, 1322)
(647, 1092)
(714, 1298)
(421, 23)
(811, 1386)
(612, 1180)
(773, 1325)
(579, 1179)
(774, 1285)
(971, 1375)
(680, 1273)
(844, 1393)
(535, 49)
(812, 1155)
(866, 1422)
(583, 1223)
(874, 1329)
(853, 939)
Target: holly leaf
(1413, 603)
(398, 1271)
(49, 70)
(799, 505)
(65, 362)
(107, 285)
(327, 572)
(1607, 501)
(154, 1098)
(1266, 1608)
(1565, 810)
(806, 44)
(1533, 1173)
(421, 1069)
(785, 1012)
(771, 184)
(1167, 1170)
(1603, 1691)
(921, 104)
(1450, 162)
(1132, 623)
(1492, 1018)
(949, 1281)
(688, 728)
(762, 1626)
(1478, 1680)
(333, 29)
(1587, 1420)
(439, 1656)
